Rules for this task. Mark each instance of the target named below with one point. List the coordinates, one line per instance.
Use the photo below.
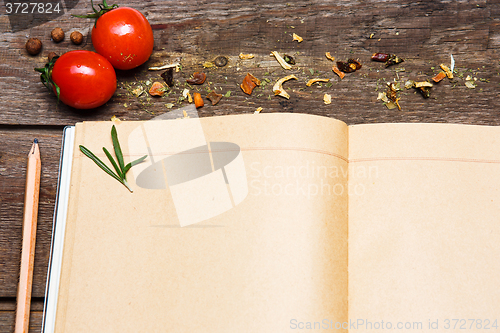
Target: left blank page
(275, 258)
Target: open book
(279, 223)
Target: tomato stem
(103, 9)
(46, 77)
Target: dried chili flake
(168, 76)
(198, 78)
(214, 97)
(350, 66)
(249, 83)
(380, 57)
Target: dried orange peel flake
(282, 61)
(278, 86)
(246, 56)
(338, 72)
(249, 83)
(312, 81)
(157, 89)
(329, 56)
(448, 72)
(439, 77)
(297, 38)
(198, 101)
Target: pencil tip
(35, 141)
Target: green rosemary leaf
(131, 164)
(112, 160)
(116, 146)
(97, 161)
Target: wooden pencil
(29, 235)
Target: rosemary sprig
(120, 167)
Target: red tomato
(124, 37)
(86, 79)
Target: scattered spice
(281, 61)
(329, 56)
(338, 72)
(380, 57)
(439, 76)
(221, 61)
(76, 37)
(297, 38)
(168, 76)
(327, 99)
(470, 82)
(186, 94)
(389, 59)
(198, 78)
(249, 83)
(393, 60)
(33, 46)
(257, 111)
(51, 55)
(424, 88)
(116, 120)
(159, 68)
(198, 101)
(208, 64)
(312, 81)
(138, 91)
(448, 72)
(289, 59)
(157, 89)
(246, 56)
(278, 86)
(392, 94)
(214, 97)
(57, 34)
(350, 66)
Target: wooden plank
(7, 321)
(14, 146)
(425, 33)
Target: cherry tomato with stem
(80, 79)
(122, 35)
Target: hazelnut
(51, 55)
(76, 37)
(57, 35)
(33, 46)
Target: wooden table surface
(424, 33)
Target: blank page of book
(424, 227)
(279, 255)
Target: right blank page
(424, 227)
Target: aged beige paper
(275, 260)
(424, 228)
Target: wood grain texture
(424, 33)
(14, 145)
